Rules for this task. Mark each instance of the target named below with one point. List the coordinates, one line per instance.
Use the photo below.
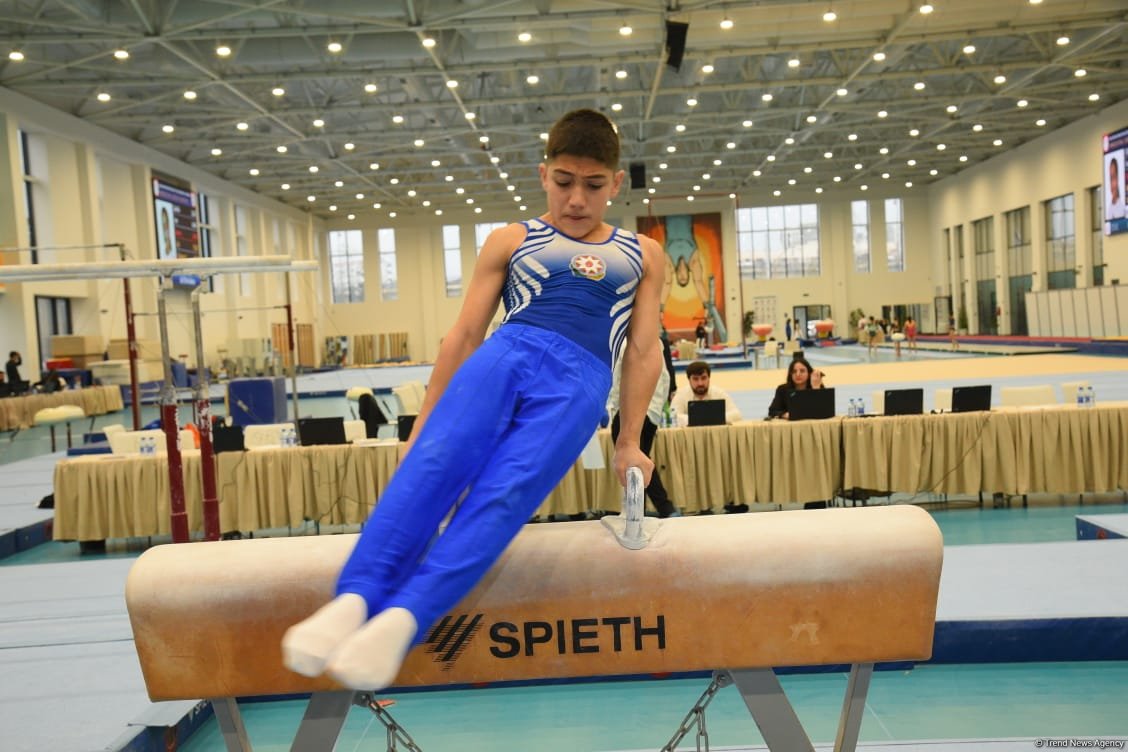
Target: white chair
(1027, 396)
(264, 435)
(942, 399)
(420, 391)
(353, 394)
(409, 397)
(1069, 390)
(355, 431)
(129, 442)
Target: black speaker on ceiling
(675, 43)
(638, 175)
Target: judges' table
(19, 412)
(1056, 450)
(110, 496)
(1053, 449)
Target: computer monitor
(706, 412)
(318, 431)
(227, 438)
(810, 404)
(904, 401)
(404, 424)
(968, 399)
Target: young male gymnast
(503, 420)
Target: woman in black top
(800, 375)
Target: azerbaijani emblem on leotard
(592, 267)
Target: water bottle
(1080, 396)
(667, 421)
(147, 447)
(852, 411)
(861, 407)
(1092, 397)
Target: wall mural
(693, 292)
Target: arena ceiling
(418, 105)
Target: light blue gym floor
(928, 702)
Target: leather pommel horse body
(741, 593)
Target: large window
(389, 287)
(452, 259)
(52, 317)
(1019, 258)
(346, 266)
(859, 217)
(778, 241)
(29, 183)
(243, 246)
(1096, 221)
(1020, 266)
(986, 294)
(894, 235)
(1060, 243)
(482, 231)
(209, 239)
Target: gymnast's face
(578, 189)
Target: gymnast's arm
(478, 309)
(642, 360)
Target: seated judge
(800, 376)
(698, 375)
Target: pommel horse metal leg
(775, 717)
(321, 725)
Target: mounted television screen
(178, 233)
(1115, 150)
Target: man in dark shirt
(12, 369)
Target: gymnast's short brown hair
(585, 133)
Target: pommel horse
(737, 595)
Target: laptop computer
(967, 399)
(706, 412)
(320, 431)
(810, 404)
(227, 438)
(904, 401)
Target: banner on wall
(693, 291)
(1114, 147)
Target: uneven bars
(204, 267)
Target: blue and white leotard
(508, 427)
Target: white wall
(93, 188)
(1067, 160)
(424, 311)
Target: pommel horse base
(566, 600)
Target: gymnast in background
(503, 420)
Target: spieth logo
(450, 637)
(588, 266)
(609, 634)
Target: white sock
(307, 645)
(371, 657)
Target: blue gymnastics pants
(509, 426)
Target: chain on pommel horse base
(736, 595)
